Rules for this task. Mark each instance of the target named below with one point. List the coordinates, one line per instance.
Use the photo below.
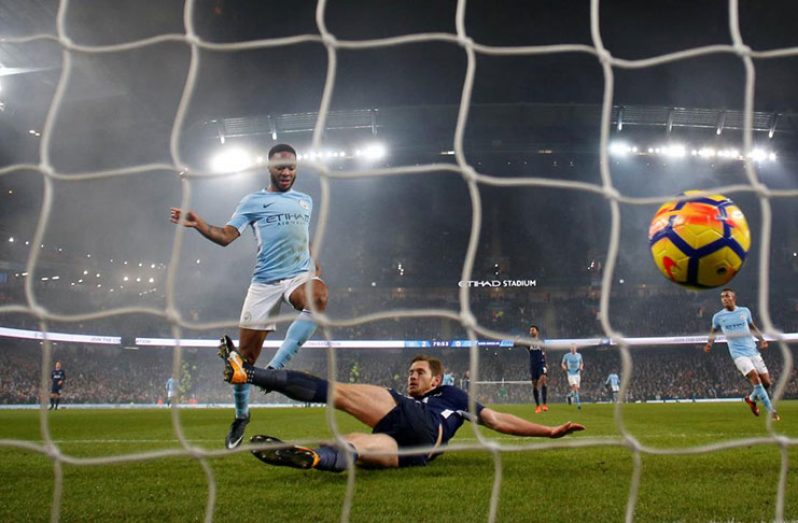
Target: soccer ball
(699, 241)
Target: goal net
(112, 110)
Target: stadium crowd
(103, 374)
(112, 375)
(497, 309)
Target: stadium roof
(571, 126)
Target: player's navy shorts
(56, 389)
(536, 371)
(410, 425)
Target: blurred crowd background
(103, 375)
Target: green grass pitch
(538, 484)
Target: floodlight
(374, 151)
(619, 149)
(230, 160)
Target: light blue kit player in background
(171, 391)
(613, 383)
(280, 220)
(737, 325)
(573, 365)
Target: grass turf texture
(578, 484)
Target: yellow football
(699, 241)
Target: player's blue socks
(294, 384)
(576, 399)
(241, 399)
(536, 394)
(544, 389)
(300, 331)
(332, 459)
(761, 394)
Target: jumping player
(736, 324)
(428, 416)
(280, 219)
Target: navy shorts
(55, 390)
(536, 371)
(410, 425)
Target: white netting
(471, 177)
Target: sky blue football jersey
(281, 224)
(572, 362)
(734, 325)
